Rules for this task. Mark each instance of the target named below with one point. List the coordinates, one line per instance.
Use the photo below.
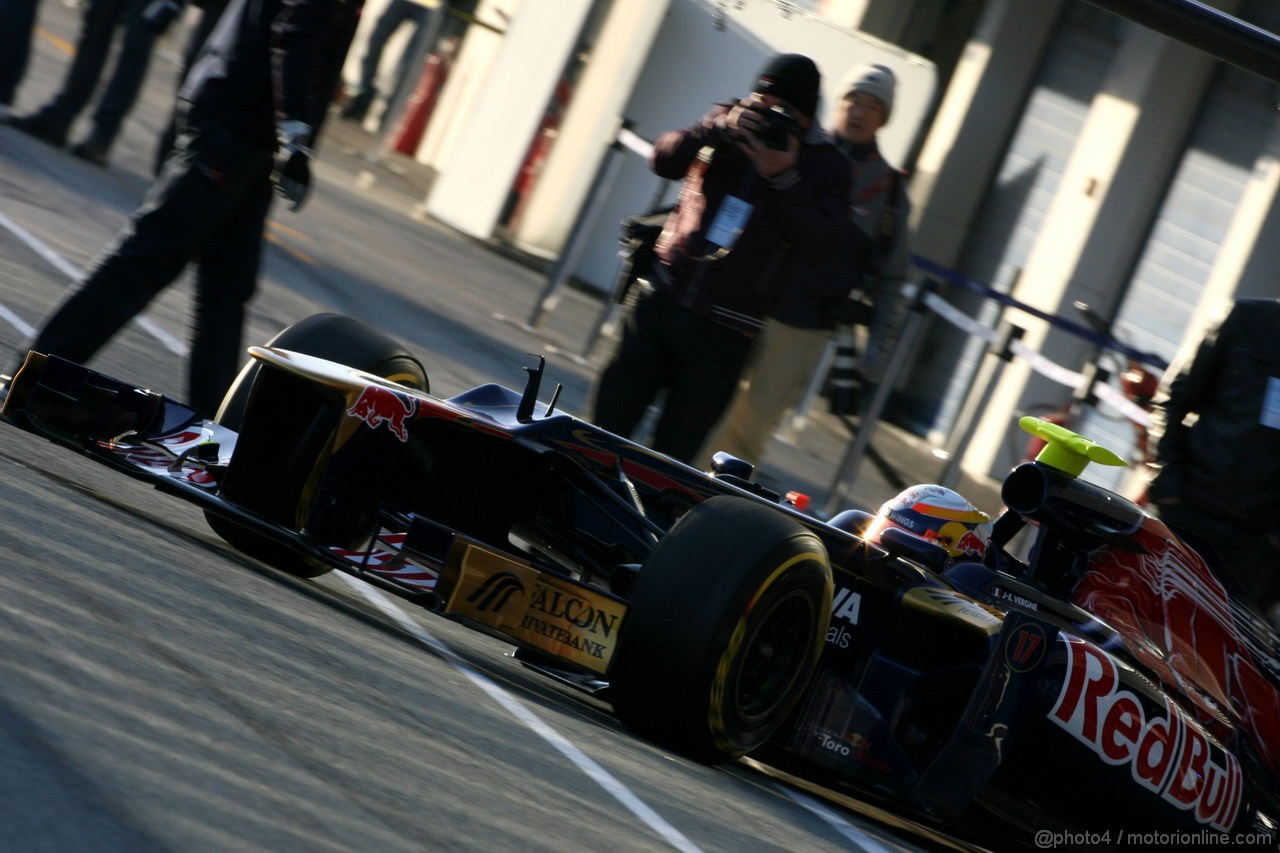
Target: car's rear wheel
(286, 425)
(727, 620)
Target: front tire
(335, 338)
(286, 427)
(727, 621)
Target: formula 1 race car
(1106, 681)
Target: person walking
(397, 14)
(1215, 434)
(17, 26)
(761, 184)
(143, 22)
(251, 110)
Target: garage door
(1225, 142)
(1009, 221)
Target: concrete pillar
(982, 104)
(471, 191)
(1096, 225)
(468, 74)
(591, 123)
(1250, 255)
(1246, 263)
(960, 159)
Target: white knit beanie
(874, 79)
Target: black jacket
(803, 216)
(1228, 463)
(272, 60)
(873, 250)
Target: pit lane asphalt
(160, 692)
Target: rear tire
(727, 621)
(285, 427)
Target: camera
(777, 126)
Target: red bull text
(1169, 755)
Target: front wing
(165, 443)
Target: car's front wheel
(286, 427)
(727, 619)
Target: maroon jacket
(801, 213)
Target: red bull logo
(970, 544)
(377, 406)
(1168, 754)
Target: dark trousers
(667, 347)
(209, 205)
(17, 24)
(398, 12)
(101, 19)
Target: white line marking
(860, 837)
(38, 246)
(168, 341)
(62, 265)
(576, 756)
(24, 328)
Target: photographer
(761, 186)
(860, 286)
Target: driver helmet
(938, 515)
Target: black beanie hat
(794, 79)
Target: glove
(159, 14)
(292, 170)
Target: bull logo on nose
(377, 406)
